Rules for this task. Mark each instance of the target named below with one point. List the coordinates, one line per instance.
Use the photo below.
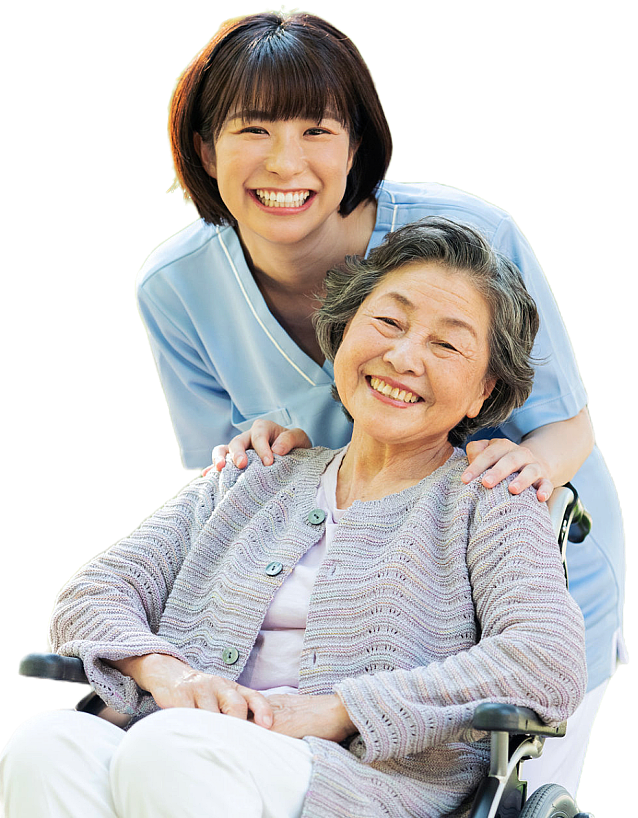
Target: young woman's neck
(300, 267)
(290, 276)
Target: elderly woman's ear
(488, 386)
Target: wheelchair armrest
(507, 718)
(560, 506)
(53, 666)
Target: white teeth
(385, 389)
(279, 198)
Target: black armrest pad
(53, 666)
(510, 719)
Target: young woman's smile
(281, 202)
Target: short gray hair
(461, 249)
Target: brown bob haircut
(285, 67)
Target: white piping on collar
(395, 210)
(254, 311)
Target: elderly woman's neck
(371, 470)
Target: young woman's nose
(286, 155)
(405, 355)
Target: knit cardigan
(428, 602)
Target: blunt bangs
(277, 67)
(278, 79)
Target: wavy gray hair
(461, 249)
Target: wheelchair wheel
(550, 801)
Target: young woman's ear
(206, 155)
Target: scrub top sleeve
(199, 407)
(558, 392)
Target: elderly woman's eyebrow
(401, 299)
(450, 321)
(458, 323)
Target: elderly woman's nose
(406, 355)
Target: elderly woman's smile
(414, 358)
(393, 391)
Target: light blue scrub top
(224, 361)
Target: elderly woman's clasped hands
(173, 683)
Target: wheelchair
(516, 733)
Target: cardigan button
(274, 568)
(230, 655)
(316, 516)
(357, 747)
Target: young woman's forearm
(563, 446)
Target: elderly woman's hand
(320, 716)
(173, 683)
(265, 437)
(500, 457)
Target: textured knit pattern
(430, 601)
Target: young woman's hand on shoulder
(266, 438)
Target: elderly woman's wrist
(144, 669)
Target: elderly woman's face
(414, 358)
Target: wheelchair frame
(517, 733)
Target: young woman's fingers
(290, 439)
(219, 458)
(485, 454)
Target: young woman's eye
(253, 129)
(317, 131)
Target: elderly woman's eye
(446, 345)
(391, 322)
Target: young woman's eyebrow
(267, 116)
(248, 114)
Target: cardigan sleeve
(111, 608)
(530, 652)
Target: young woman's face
(282, 180)
(413, 360)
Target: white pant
(179, 762)
(563, 758)
(194, 763)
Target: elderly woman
(363, 600)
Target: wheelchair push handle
(581, 523)
(570, 520)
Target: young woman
(280, 140)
